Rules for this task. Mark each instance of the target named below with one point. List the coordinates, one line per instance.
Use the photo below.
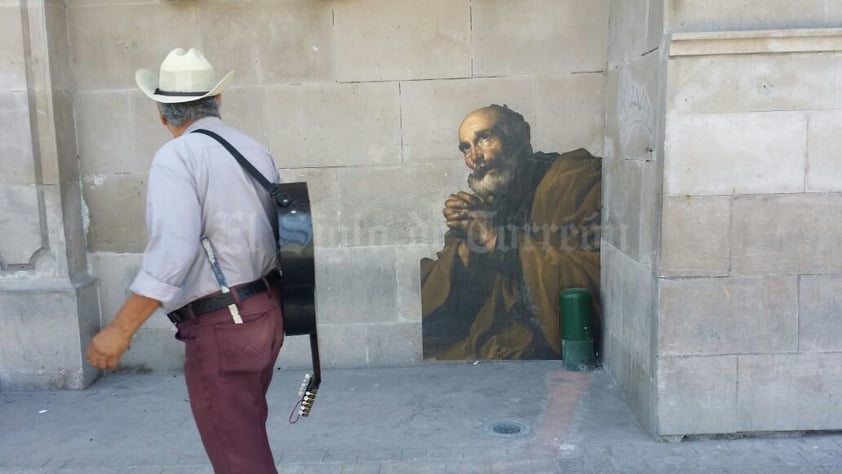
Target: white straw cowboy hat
(184, 77)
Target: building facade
(718, 124)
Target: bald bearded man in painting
(529, 228)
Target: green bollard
(577, 344)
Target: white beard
(493, 183)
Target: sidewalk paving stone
(430, 418)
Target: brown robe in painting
(504, 304)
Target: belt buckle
(176, 317)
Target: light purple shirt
(197, 189)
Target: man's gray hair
(179, 114)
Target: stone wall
(48, 302)
(632, 175)
(750, 265)
(360, 99)
(721, 273)
(728, 15)
(720, 269)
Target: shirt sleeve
(173, 222)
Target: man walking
(211, 263)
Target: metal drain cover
(507, 429)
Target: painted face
(478, 141)
(482, 147)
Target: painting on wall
(526, 227)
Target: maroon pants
(228, 368)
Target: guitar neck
(317, 366)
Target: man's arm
(111, 342)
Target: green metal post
(577, 343)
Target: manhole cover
(507, 429)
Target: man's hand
(107, 347)
(472, 216)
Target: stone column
(751, 268)
(49, 306)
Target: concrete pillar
(49, 306)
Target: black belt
(217, 301)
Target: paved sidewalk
(425, 419)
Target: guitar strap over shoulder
(274, 189)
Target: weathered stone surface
(431, 112)
(52, 303)
(697, 395)
(64, 138)
(613, 357)
(87, 317)
(21, 221)
(85, 3)
(628, 329)
(340, 346)
(709, 84)
(43, 121)
(570, 113)
(633, 109)
(13, 71)
(106, 133)
(787, 234)
(409, 279)
(74, 229)
(55, 29)
(621, 205)
(655, 25)
(755, 82)
(820, 313)
(110, 42)
(269, 42)
(695, 238)
(242, 108)
(612, 279)
(148, 133)
(781, 41)
(635, 28)
(44, 332)
(715, 15)
(628, 295)
(824, 168)
(154, 349)
(834, 13)
(116, 228)
(345, 124)
(356, 285)
(631, 211)
(116, 272)
(715, 154)
(650, 214)
(639, 316)
(727, 315)
(635, 382)
(396, 205)
(380, 40)
(503, 31)
(394, 344)
(295, 352)
(642, 395)
(789, 392)
(16, 140)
